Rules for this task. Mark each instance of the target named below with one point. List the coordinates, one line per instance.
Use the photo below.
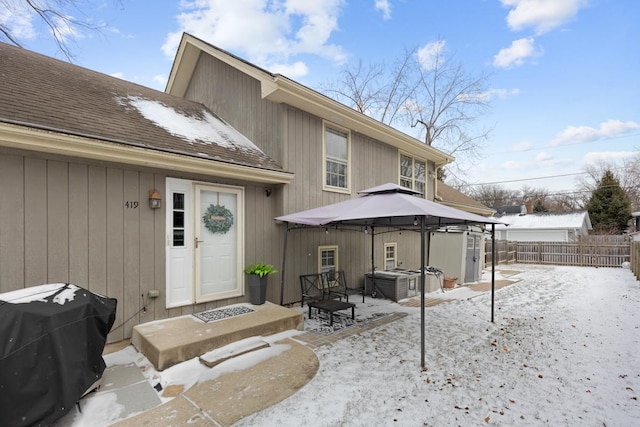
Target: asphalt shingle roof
(46, 93)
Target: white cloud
(515, 55)
(296, 69)
(497, 93)
(543, 157)
(429, 53)
(608, 156)
(160, 79)
(17, 19)
(581, 134)
(384, 7)
(266, 31)
(521, 146)
(542, 160)
(541, 15)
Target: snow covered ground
(563, 351)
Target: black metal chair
(335, 285)
(311, 288)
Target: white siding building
(564, 227)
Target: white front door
(205, 238)
(218, 256)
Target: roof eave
(33, 139)
(468, 208)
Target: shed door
(472, 269)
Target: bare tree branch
(444, 99)
(59, 16)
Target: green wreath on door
(218, 219)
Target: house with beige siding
(131, 192)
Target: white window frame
(412, 179)
(336, 266)
(327, 125)
(395, 255)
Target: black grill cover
(50, 350)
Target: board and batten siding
(67, 222)
(236, 98)
(63, 220)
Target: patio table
(331, 306)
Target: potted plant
(450, 282)
(258, 281)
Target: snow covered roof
(44, 93)
(573, 220)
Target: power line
(527, 179)
(535, 178)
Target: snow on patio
(563, 351)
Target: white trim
(413, 171)
(393, 245)
(33, 139)
(179, 262)
(334, 248)
(238, 291)
(326, 187)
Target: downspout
(284, 263)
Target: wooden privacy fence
(635, 259)
(505, 252)
(587, 253)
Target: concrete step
(171, 341)
(238, 348)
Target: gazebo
(390, 206)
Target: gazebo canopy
(391, 205)
(387, 205)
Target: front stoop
(171, 341)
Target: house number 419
(131, 204)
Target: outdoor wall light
(415, 220)
(154, 199)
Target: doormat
(222, 313)
(319, 324)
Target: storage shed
(458, 253)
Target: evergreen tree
(609, 207)
(539, 207)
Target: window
(327, 258)
(390, 256)
(336, 158)
(413, 174)
(178, 226)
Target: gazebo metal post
(284, 263)
(373, 268)
(493, 269)
(422, 286)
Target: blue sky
(564, 84)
